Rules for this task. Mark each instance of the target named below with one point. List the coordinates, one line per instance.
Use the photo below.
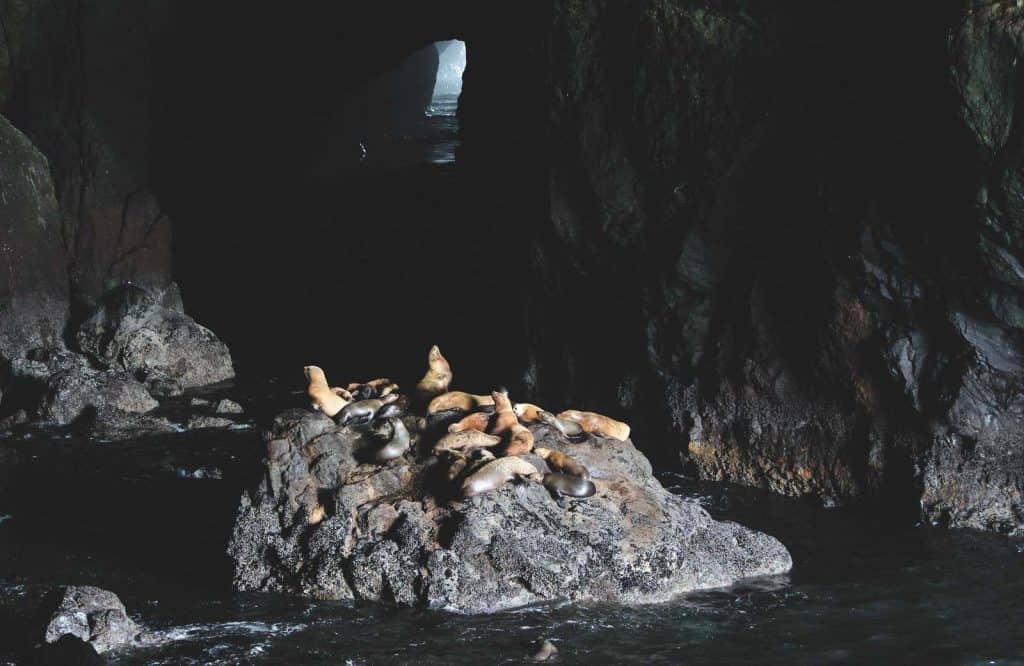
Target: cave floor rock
(391, 535)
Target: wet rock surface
(92, 615)
(395, 533)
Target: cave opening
(332, 224)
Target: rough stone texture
(824, 293)
(70, 393)
(391, 535)
(33, 279)
(90, 614)
(145, 331)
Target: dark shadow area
(311, 225)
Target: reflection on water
(433, 139)
(861, 591)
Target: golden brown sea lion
(526, 412)
(475, 421)
(597, 424)
(466, 402)
(437, 379)
(320, 394)
(465, 439)
(497, 473)
(504, 416)
(561, 462)
(567, 484)
(520, 440)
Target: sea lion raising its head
(597, 424)
(320, 394)
(460, 400)
(497, 473)
(504, 416)
(561, 462)
(437, 379)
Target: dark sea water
(149, 520)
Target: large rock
(90, 614)
(72, 393)
(33, 273)
(393, 534)
(145, 331)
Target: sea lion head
(314, 374)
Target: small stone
(226, 406)
(546, 651)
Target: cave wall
(788, 235)
(797, 228)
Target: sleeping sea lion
(566, 484)
(465, 439)
(460, 400)
(561, 462)
(527, 412)
(363, 411)
(396, 439)
(497, 473)
(520, 440)
(475, 421)
(597, 424)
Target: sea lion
(465, 439)
(497, 473)
(504, 416)
(566, 484)
(520, 440)
(570, 430)
(363, 411)
(527, 412)
(560, 462)
(460, 400)
(438, 377)
(320, 394)
(375, 388)
(467, 463)
(396, 407)
(475, 421)
(597, 424)
(546, 651)
(397, 439)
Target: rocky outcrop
(824, 293)
(33, 281)
(91, 614)
(145, 332)
(395, 533)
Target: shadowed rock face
(92, 615)
(392, 534)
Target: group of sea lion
(485, 447)
(375, 405)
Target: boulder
(90, 614)
(72, 393)
(396, 533)
(145, 331)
